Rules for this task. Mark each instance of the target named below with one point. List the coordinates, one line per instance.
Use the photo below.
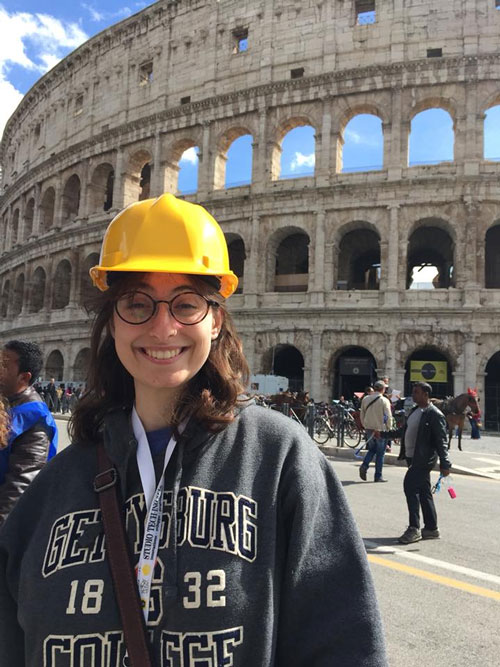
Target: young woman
(258, 560)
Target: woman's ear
(216, 323)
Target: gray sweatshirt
(260, 565)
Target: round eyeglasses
(139, 307)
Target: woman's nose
(163, 320)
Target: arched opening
(71, 199)
(29, 215)
(363, 144)
(491, 145)
(492, 394)
(54, 368)
(81, 365)
(61, 286)
(136, 184)
(295, 154)
(5, 298)
(101, 188)
(37, 290)
(236, 250)
(233, 161)
(359, 260)
(87, 290)
(47, 210)
(430, 259)
(15, 227)
(354, 369)
(239, 162)
(431, 138)
(292, 264)
(429, 365)
(188, 166)
(492, 257)
(17, 301)
(145, 182)
(286, 361)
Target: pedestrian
(424, 439)
(51, 395)
(375, 417)
(475, 424)
(245, 550)
(32, 437)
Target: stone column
(205, 166)
(323, 147)
(331, 265)
(469, 269)
(58, 204)
(470, 361)
(21, 223)
(37, 212)
(49, 282)
(396, 139)
(260, 172)
(317, 285)
(251, 286)
(392, 264)
(158, 175)
(119, 181)
(74, 292)
(316, 389)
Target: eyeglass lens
(138, 307)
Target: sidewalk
(478, 464)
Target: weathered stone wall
(91, 114)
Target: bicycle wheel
(321, 432)
(352, 435)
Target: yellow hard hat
(167, 235)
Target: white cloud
(191, 155)
(301, 160)
(121, 13)
(35, 42)
(362, 140)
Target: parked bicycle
(328, 422)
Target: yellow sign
(428, 371)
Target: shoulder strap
(372, 402)
(125, 583)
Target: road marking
(445, 581)
(493, 461)
(434, 562)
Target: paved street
(440, 599)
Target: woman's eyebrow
(178, 288)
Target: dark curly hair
(210, 396)
(30, 357)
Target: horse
(454, 409)
(298, 401)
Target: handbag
(122, 572)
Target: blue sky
(36, 34)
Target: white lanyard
(154, 505)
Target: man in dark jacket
(33, 432)
(424, 439)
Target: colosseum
(325, 260)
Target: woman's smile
(162, 354)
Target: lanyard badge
(153, 496)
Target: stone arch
(182, 171)
(224, 143)
(492, 392)
(61, 286)
(429, 353)
(29, 215)
(101, 188)
(358, 258)
(81, 365)
(424, 140)
(47, 207)
(54, 366)
(491, 141)
(352, 369)
(284, 129)
(288, 260)
(71, 199)
(492, 257)
(4, 309)
(286, 360)
(87, 289)
(137, 180)
(15, 228)
(431, 243)
(237, 256)
(38, 283)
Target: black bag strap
(124, 581)
(372, 402)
